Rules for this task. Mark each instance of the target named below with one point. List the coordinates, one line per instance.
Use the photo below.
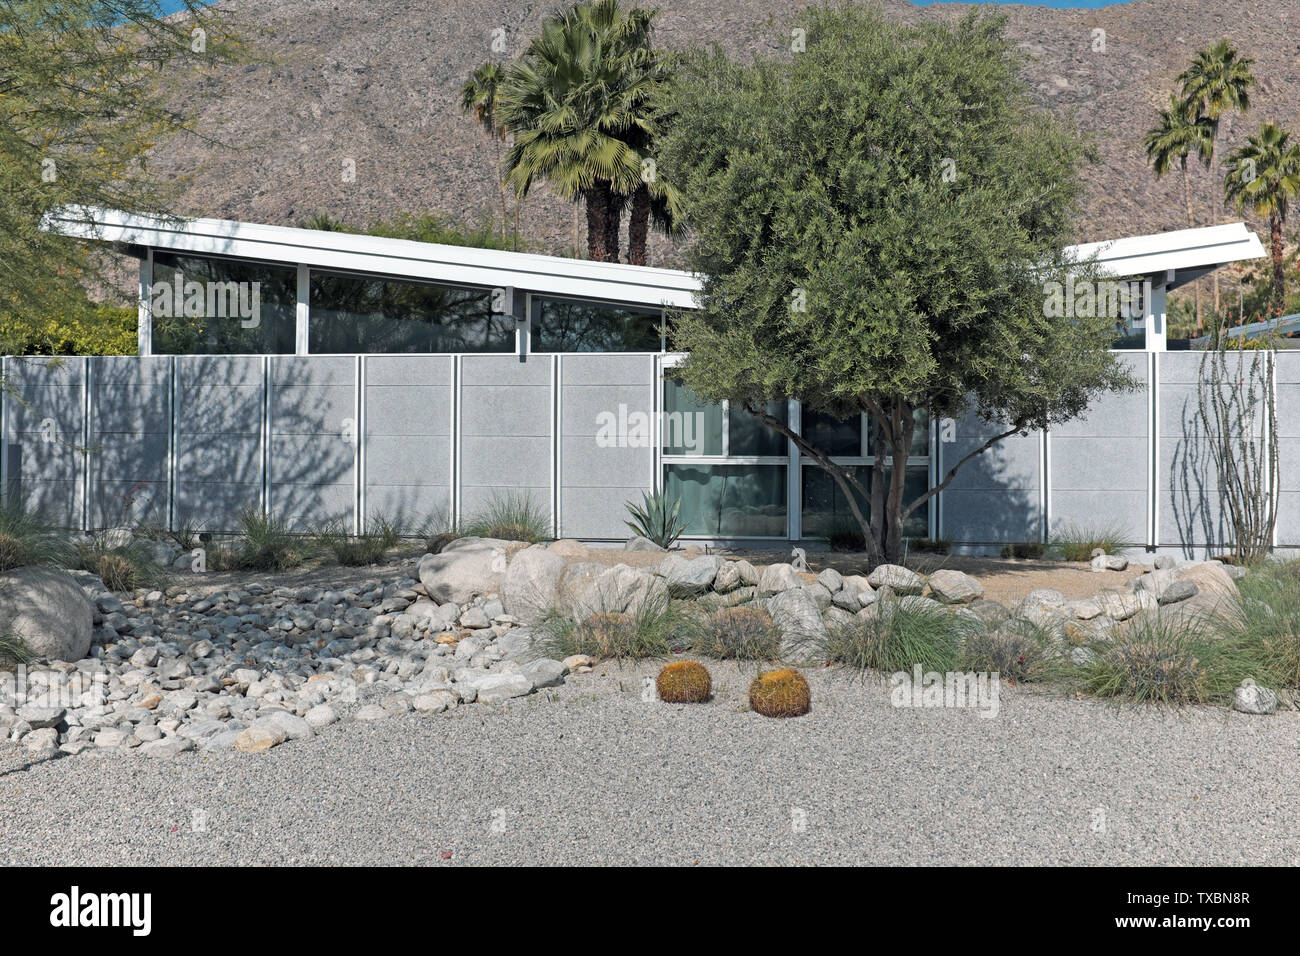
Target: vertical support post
(171, 444)
(557, 453)
(457, 372)
(358, 450)
(144, 309)
(87, 410)
(1045, 484)
(265, 443)
(302, 312)
(794, 474)
(1153, 445)
(1153, 308)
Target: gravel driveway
(591, 773)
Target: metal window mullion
(359, 452)
(302, 312)
(794, 474)
(557, 399)
(87, 405)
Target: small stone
(577, 661)
(260, 738)
(1164, 562)
(545, 672)
(372, 712)
(496, 688)
(434, 702)
(1249, 698)
(322, 715)
(167, 747)
(45, 738)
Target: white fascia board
(400, 258)
(1208, 246)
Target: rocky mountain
(374, 83)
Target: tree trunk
(638, 225)
(598, 198)
(1279, 270)
(613, 219)
(1191, 224)
(902, 419)
(1214, 221)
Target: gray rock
(748, 574)
(40, 717)
(321, 716)
(897, 578)
(44, 738)
(48, 611)
(1164, 562)
(831, 580)
(475, 618)
(778, 578)
(727, 578)
(1180, 590)
(372, 712)
(516, 642)
(495, 688)
(954, 587)
(797, 617)
(475, 566)
(1108, 562)
(296, 727)
(545, 672)
(530, 585)
(167, 747)
(1251, 699)
(641, 543)
(434, 702)
(687, 577)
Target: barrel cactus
(684, 682)
(780, 693)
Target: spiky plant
(684, 682)
(742, 633)
(780, 693)
(657, 518)
(25, 539)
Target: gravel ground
(591, 773)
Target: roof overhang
(1187, 254)
(399, 258)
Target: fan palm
(479, 96)
(1217, 81)
(1265, 174)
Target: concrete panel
(55, 500)
(984, 517)
(409, 410)
(584, 408)
(408, 370)
(305, 507)
(1101, 463)
(41, 370)
(515, 411)
(410, 505)
(585, 465)
(596, 369)
(597, 512)
(215, 505)
(490, 370)
(119, 503)
(407, 460)
(477, 498)
(1125, 510)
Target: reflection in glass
(210, 306)
(825, 508)
(729, 500)
(571, 325)
(690, 426)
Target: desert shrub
(13, 652)
(652, 629)
(266, 543)
(1175, 660)
(26, 539)
(845, 536)
(1077, 542)
(369, 547)
(780, 693)
(122, 567)
(741, 633)
(1018, 651)
(1268, 621)
(658, 518)
(900, 635)
(684, 682)
(930, 545)
(1023, 550)
(512, 516)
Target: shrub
(512, 517)
(25, 539)
(369, 547)
(13, 652)
(684, 682)
(930, 545)
(122, 567)
(1018, 651)
(1023, 550)
(780, 693)
(901, 634)
(266, 544)
(654, 629)
(846, 536)
(657, 518)
(1269, 621)
(741, 633)
(1076, 543)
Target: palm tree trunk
(613, 219)
(597, 197)
(638, 225)
(1191, 224)
(1279, 271)
(1214, 216)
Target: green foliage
(1076, 542)
(122, 567)
(418, 227)
(1269, 619)
(651, 629)
(512, 516)
(1264, 174)
(1024, 550)
(86, 91)
(381, 535)
(901, 634)
(738, 633)
(891, 191)
(266, 544)
(27, 539)
(85, 329)
(657, 518)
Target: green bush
(740, 633)
(512, 517)
(1269, 621)
(902, 634)
(1077, 542)
(653, 629)
(1023, 550)
(266, 544)
(657, 518)
(122, 567)
(354, 550)
(26, 539)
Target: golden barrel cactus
(684, 682)
(780, 693)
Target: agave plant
(657, 518)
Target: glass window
(210, 306)
(825, 508)
(690, 426)
(366, 314)
(729, 500)
(837, 437)
(571, 325)
(920, 433)
(746, 435)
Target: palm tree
(577, 104)
(1178, 133)
(1217, 81)
(1265, 173)
(479, 97)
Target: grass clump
(1019, 651)
(13, 652)
(265, 544)
(122, 567)
(1268, 621)
(780, 693)
(1025, 550)
(511, 517)
(930, 545)
(898, 636)
(26, 539)
(684, 682)
(354, 550)
(738, 633)
(655, 628)
(1077, 542)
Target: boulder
(568, 548)
(640, 543)
(530, 585)
(495, 688)
(465, 569)
(777, 578)
(545, 672)
(1251, 699)
(797, 617)
(618, 590)
(953, 587)
(728, 577)
(748, 574)
(831, 580)
(897, 578)
(687, 577)
(1212, 580)
(48, 611)
(1109, 562)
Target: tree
(1178, 133)
(479, 97)
(1217, 82)
(875, 222)
(1264, 173)
(85, 89)
(577, 105)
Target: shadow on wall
(989, 504)
(1193, 493)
